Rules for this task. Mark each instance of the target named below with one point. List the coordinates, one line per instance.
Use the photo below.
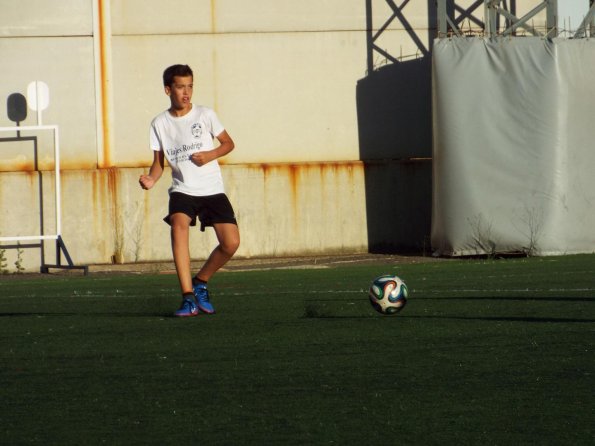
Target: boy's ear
(168, 90)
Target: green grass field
(486, 352)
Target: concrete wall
(330, 156)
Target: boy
(184, 135)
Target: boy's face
(180, 92)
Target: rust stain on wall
(112, 185)
(113, 179)
(17, 166)
(289, 171)
(105, 105)
(213, 16)
(296, 175)
(104, 186)
(34, 178)
(96, 189)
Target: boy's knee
(230, 246)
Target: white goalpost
(38, 100)
(56, 133)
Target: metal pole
(551, 18)
(369, 36)
(586, 24)
(442, 25)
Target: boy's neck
(179, 112)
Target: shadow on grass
(316, 313)
(521, 299)
(556, 320)
(64, 314)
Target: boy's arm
(155, 172)
(226, 145)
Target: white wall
(281, 74)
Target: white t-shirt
(179, 138)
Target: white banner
(514, 146)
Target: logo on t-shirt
(196, 130)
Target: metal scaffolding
(398, 15)
(499, 17)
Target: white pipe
(28, 237)
(57, 178)
(24, 128)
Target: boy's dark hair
(175, 70)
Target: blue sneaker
(202, 296)
(187, 309)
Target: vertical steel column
(491, 17)
(442, 23)
(586, 27)
(370, 36)
(551, 18)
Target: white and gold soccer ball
(388, 294)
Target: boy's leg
(228, 236)
(180, 236)
(229, 240)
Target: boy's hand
(202, 158)
(146, 182)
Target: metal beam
(522, 22)
(496, 10)
(447, 23)
(397, 14)
(442, 18)
(491, 17)
(552, 18)
(587, 22)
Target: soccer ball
(388, 294)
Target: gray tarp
(514, 146)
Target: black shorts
(210, 209)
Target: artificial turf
(485, 352)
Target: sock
(196, 281)
(188, 296)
